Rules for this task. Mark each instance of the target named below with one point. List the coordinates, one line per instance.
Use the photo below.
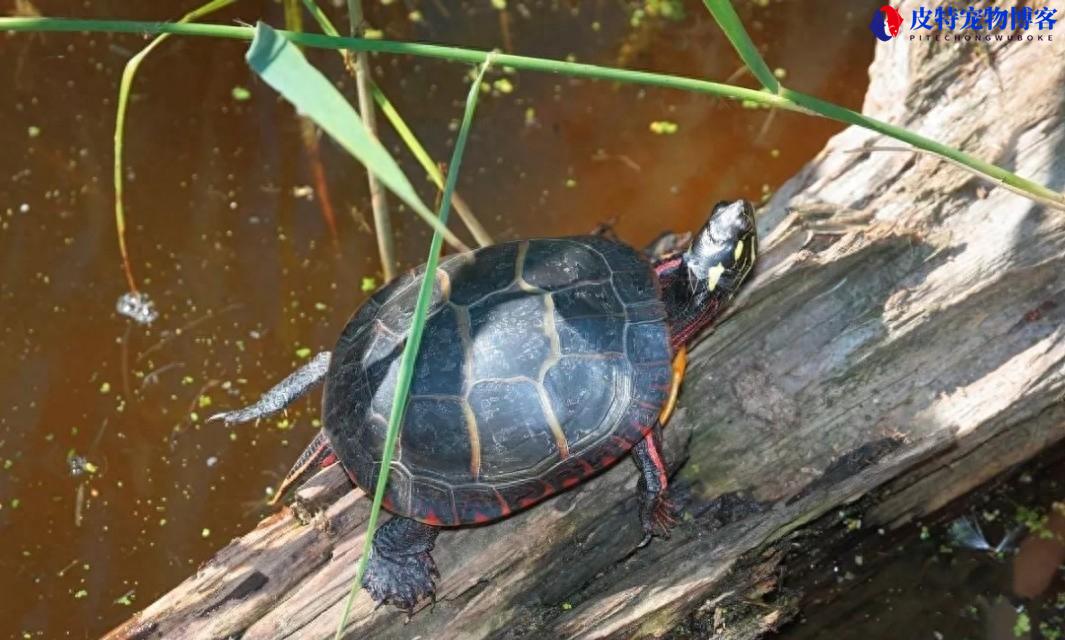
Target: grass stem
(382, 221)
(410, 349)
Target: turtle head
(722, 253)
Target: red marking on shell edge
(432, 519)
(570, 482)
(504, 508)
(644, 428)
(329, 460)
(588, 468)
(480, 518)
(387, 503)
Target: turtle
(543, 362)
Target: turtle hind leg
(318, 454)
(400, 571)
(284, 393)
(657, 511)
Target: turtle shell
(542, 363)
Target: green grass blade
(408, 137)
(731, 24)
(128, 73)
(281, 65)
(792, 101)
(410, 349)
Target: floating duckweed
(503, 85)
(303, 352)
(663, 127)
(81, 593)
(240, 94)
(415, 16)
(320, 306)
(204, 401)
(774, 153)
(126, 599)
(1023, 625)
(33, 132)
(566, 606)
(499, 4)
(369, 284)
(373, 34)
(8, 464)
(570, 183)
(780, 73)
(105, 388)
(206, 533)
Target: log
(902, 341)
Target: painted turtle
(543, 362)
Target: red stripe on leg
(659, 467)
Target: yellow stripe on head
(713, 276)
(738, 253)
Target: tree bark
(903, 334)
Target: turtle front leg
(657, 512)
(401, 571)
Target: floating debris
(965, 532)
(663, 127)
(137, 307)
(126, 599)
(79, 465)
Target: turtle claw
(658, 517)
(401, 581)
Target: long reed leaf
(281, 65)
(791, 100)
(410, 349)
(731, 24)
(124, 86)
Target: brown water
(241, 266)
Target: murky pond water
(112, 488)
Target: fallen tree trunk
(904, 335)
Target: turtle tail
(319, 453)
